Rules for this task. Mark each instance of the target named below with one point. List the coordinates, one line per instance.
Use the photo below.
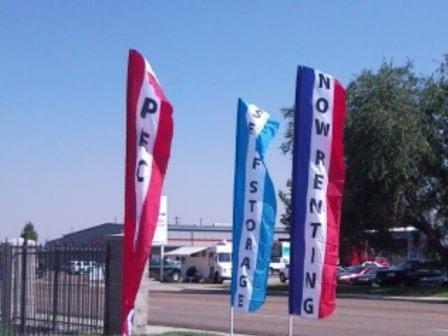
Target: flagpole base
(231, 321)
(291, 332)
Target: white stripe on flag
(148, 124)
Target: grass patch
(441, 292)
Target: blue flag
(254, 208)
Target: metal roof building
(92, 235)
(193, 235)
(178, 235)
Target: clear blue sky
(62, 91)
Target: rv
(212, 264)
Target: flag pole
(231, 321)
(290, 326)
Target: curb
(225, 290)
(418, 299)
(421, 299)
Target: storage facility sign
(254, 208)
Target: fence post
(7, 284)
(112, 320)
(23, 307)
(112, 303)
(55, 287)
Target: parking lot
(203, 306)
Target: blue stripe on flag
(242, 138)
(301, 161)
(267, 222)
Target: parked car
(408, 273)
(97, 272)
(352, 273)
(371, 263)
(171, 269)
(276, 265)
(367, 277)
(435, 278)
(340, 269)
(80, 266)
(284, 274)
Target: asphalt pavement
(206, 307)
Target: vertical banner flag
(254, 208)
(317, 187)
(149, 129)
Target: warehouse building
(178, 235)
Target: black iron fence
(56, 290)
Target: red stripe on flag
(136, 70)
(334, 200)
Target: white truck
(212, 263)
(221, 262)
(280, 261)
(286, 246)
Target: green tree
(28, 232)
(396, 152)
(426, 198)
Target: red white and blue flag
(317, 187)
(149, 129)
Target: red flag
(149, 129)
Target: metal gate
(57, 290)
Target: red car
(352, 273)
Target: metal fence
(56, 290)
